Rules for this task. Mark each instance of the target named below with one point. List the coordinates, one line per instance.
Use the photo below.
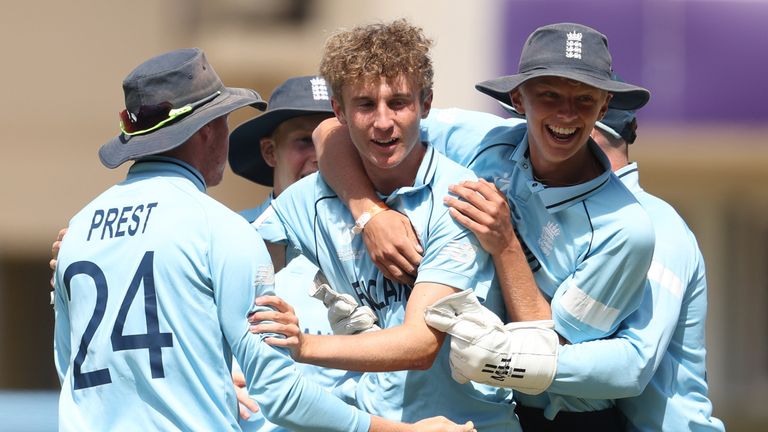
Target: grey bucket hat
(168, 98)
(571, 51)
(298, 96)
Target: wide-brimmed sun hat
(167, 99)
(296, 97)
(572, 51)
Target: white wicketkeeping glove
(521, 355)
(344, 314)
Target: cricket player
(554, 217)
(153, 250)
(381, 76)
(655, 365)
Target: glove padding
(521, 355)
(344, 314)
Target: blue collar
(630, 176)
(164, 164)
(425, 173)
(556, 198)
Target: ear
(338, 110)
(268, 151)
(426, 105)
(604, 108)
(517, 100)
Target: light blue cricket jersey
(292, 284)
(665, 335)
(577, 238)
(154, 284)
(251, 214)
(311, 216)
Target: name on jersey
(392, 292)
(120, 221)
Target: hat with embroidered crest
(296, 97)
(167, 99)
(572, 51)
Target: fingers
(273, 316)
(238, 378)
(56, 246)
(274, 302)
(476, 206)
(287, 330)
(290, 343)
(393, 246)
(247, 405)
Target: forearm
(602, 369)
(335, 150)
(522, 297)
(393, 349)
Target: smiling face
(561, 114)
(289, 150)
(383, 118)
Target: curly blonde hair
(390, 50)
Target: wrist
(366, 216)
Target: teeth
(390, 141)
(562, 130)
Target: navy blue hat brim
(625, 96)
(245, 156)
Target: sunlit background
(701, 146)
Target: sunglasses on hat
(153, 117)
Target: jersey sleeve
(61, 341)
(608, 285)
(241, 271)
(454, 257)
(623, 365)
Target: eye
(586, 99)
(548, 94)
(397, 104)
(365, 104)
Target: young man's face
(561, 114)
(383, 119)
(290, 150)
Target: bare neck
(387, 180)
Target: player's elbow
(423, 362)
(424, 358)
(633, 383)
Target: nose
(384, 117)
(567, 109)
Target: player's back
(146, 349)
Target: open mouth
(384, 143)
(562, 133)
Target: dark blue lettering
(364, 297)
(110, 219)
(371, 289)
(405, 288)
(150, 206)
(123, 218)
(94, 223)
(136, 218)
(391, 292)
